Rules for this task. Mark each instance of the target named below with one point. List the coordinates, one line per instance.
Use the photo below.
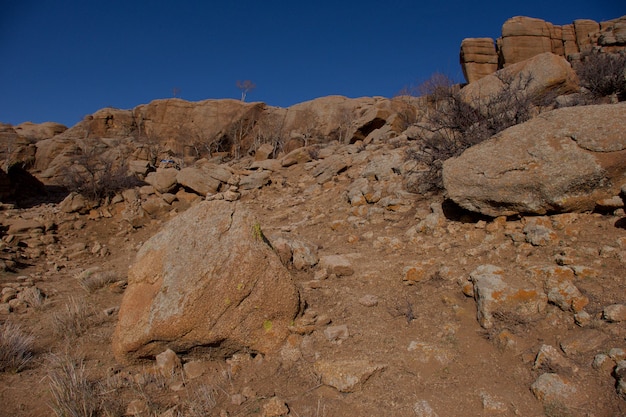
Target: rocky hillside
(228, 258)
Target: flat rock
(346, 375)
(497, 293)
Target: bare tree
(245, 86)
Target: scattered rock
(508, 297)
(423, 408)
(275, 407)
(336, 264)
(168, 363)
(614, 313)
(551, 388)
(337, 333)
(346, 375)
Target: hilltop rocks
(205, 280)
(478, 58)
(537, 77)
(525, 37)
(564, 160)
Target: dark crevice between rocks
(362, 132)
(452, 211)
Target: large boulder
(478, 58)
(208, 279)
(523, 38)
(537, 77)
(560, 161)
(39, 131)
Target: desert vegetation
(454, 121)
(602, 75)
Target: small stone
(8, 294)
(346, 375)
(275, 407)
(620, 376)
(614, 313)
(582, 318)
(617, 354)
(587, 340)
(337, 333)
(549, 357)
(336, 264)
(539, 233)
(369, 300)
(423, 409)
(492, 404)
(195, 369)
(603, 362)
(237, 399)
(167, 362)
(552, 388)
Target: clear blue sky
(62, 60)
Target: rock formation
(524, 37)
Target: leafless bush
(15, 348)
(455, 122)
(602, 74)
(95, 173)
(72, 394)
(73, 320)
(269, 129)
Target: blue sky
(62, 60)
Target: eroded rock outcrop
(525, 37)
(560, 161)
(208, 279)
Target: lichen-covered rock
(560, 161)
(498, 293)
(207, 279)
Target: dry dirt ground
(431, 353)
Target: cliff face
(524, 37)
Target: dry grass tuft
(201, 401)
(15, 348)
(72, 394)
(33, 297)
(91, 280)
(73, 320)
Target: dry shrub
(602, 74)
(455, 122)
(93, 279)
(33, 297)
(73, 320)
(96, 173)
(201, 401)
(15, 348)
(72, 394)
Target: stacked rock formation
(525, 37)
